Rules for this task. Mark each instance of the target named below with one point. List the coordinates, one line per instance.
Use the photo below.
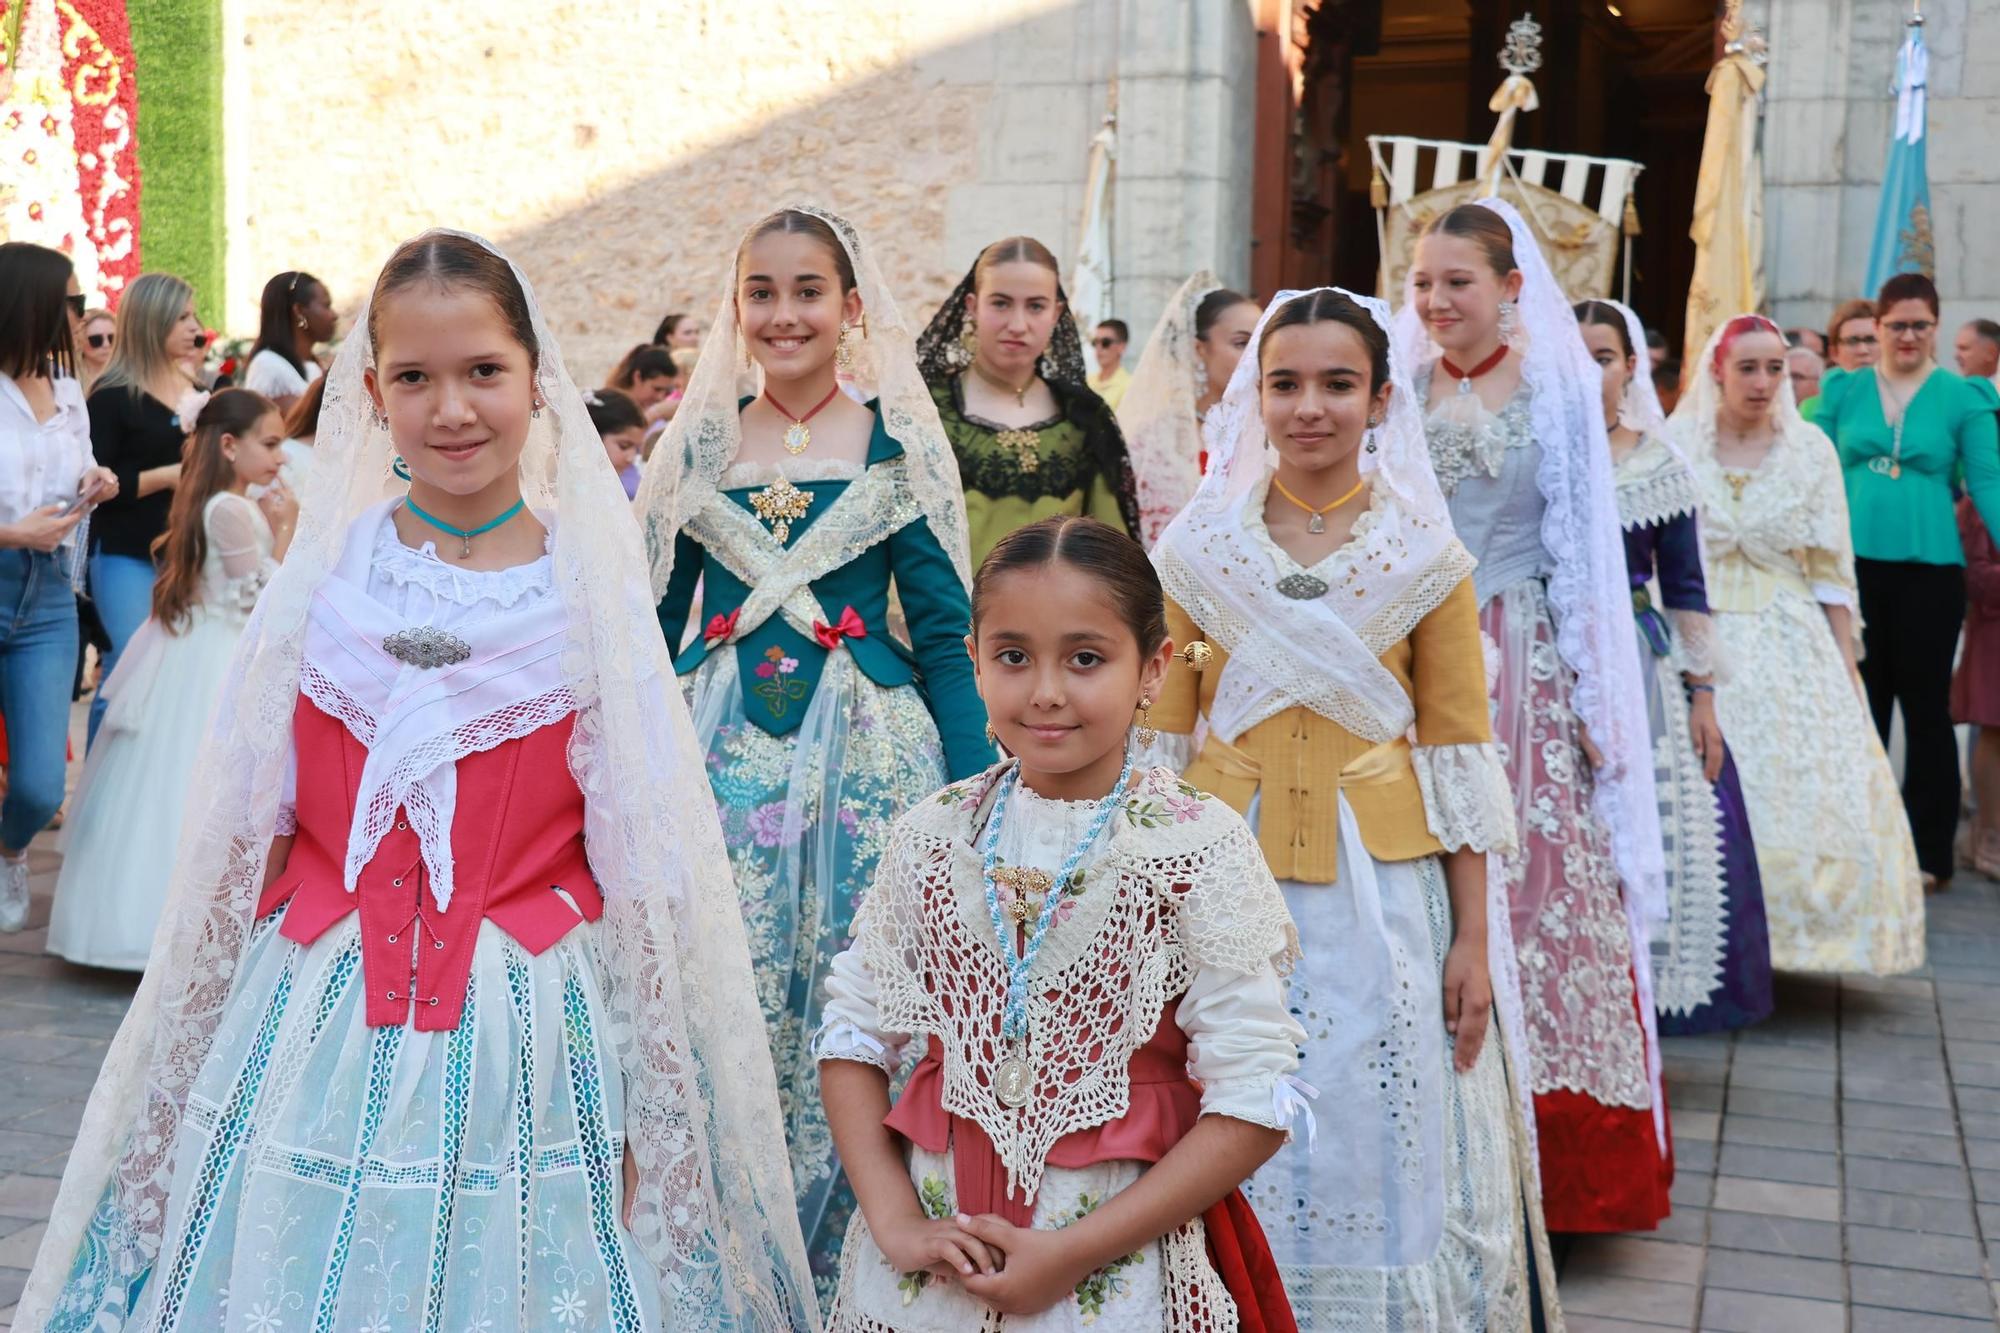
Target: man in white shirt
(1978, 349)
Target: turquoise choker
(464, 535)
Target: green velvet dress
(820, 730)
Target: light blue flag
(1903, 237)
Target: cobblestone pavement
(1839, 1165)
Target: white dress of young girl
(118, 847)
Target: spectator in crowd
(1811, 339)
(1667, 382)
(1908, 432)
(141, 411)
(651, 378)
(621, 424)
(296, 315)
(46, 468)
(1850, 336)
(1656, 348)
(1978, 350)
(678, 330)
(93, 350)
(1805, 366)
(1107, 344)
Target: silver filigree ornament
(1302, 587)
(1522, 52)
(426, 647)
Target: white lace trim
(1468, 802)
(843, 1040)
(1694, 646)
(759, 473)
(406, 566)
(1179, 883)
(1654, 485)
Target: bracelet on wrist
(1701, 689)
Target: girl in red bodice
(416, 1048)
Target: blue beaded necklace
(464, 535)
(1014, 1079)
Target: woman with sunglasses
(93, 353)
(141, 410)
(1905, 428)
(46, 468)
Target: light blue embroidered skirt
(333, 1176)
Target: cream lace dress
(1212, 947)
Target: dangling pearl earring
(1146, 734)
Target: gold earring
(1146, 733)
(992, 736)
(843, 349)
(968, 339)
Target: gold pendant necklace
(797, 435)
(1317, 522)
(1020, 394)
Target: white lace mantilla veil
(1799, 480)
(1588, 586)
(1157, 413)
(1641, 410)
(714, 1211)
(706, 431)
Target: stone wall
(616, 152)
(1826, 139)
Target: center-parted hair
(1484, 228)
(1014, 250)
(453, 262)
(791, 222)
(1605, 317)
(1107, 555)
(1329, 306)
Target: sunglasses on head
(99, 339)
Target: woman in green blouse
(1907, 431)
(1005, 367)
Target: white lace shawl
(713, 1213)
(706, 431)
(1157, 413)
(1588, 585)
(1794, 502)
(1654, 484)
(1181, 884)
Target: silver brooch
(1302, 587)
(426, 647)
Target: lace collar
(1654, 484)
(1330, 567)
(742, 474)
(1466, 438)
(402, 566)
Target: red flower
(766, 670)
(720, 626)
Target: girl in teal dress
(796, 508)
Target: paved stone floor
(1839, 1166)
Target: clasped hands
(1015, 1270)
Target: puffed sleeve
(1467, 800)
(851, 1024)
(679, 599)
(939, 615)
(1977, 432)
(1243, 1046)
(238, 533)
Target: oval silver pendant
(1013, 1082)
(1302, 587)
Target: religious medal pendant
(798, 438)
(781, 504)
(1316, 524)
(1014, 1080)
(1895, 471)
(1737, 481)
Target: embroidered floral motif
(935, 1199)
(1159, 803)
(1105, 1284)
(779, 690)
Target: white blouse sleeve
(288, 796)
(1243, 1046)
(851, 1028)
(1468, 802)
(242, 541)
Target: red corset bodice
(517, 845)
(1164, 1105)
